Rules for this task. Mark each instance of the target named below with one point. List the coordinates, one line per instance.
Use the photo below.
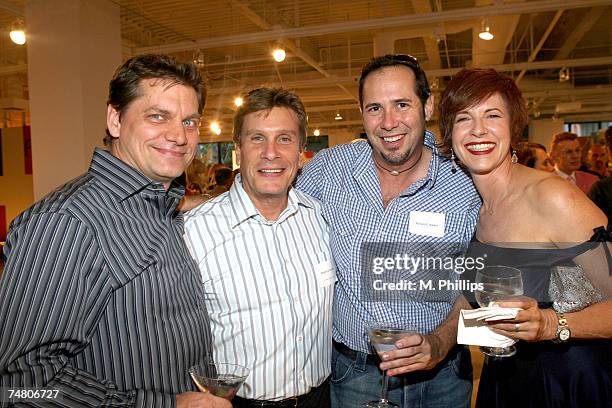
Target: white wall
(542, 130)
(74, 47)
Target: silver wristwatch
(563, 331)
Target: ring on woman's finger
(517, 327)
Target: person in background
(100, 299)
(534, 155)
(562, 359)
(395, 188)
(601, 192)
(224, 177)
(597, 160)
(267, 270)
(565, 153)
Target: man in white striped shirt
(263, 250)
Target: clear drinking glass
(383, 337)
(220, 379)
(498, 283)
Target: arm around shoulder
(310, 177)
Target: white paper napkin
(473, 329)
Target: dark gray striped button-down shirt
(100, 298)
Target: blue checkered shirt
(344, 179)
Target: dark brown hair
(397, 60)
(470, 87)
(264, 99)
(124, 88)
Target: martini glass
(220, 379)
(498, 283)
(383, 337)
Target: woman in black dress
(547, 228)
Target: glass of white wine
(383, 337)
(220, 379)
(498, 283)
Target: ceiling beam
(11, 8)
(290, 44)
(585, 24)
(374, 24)
(538, 47)
(502, 27)
(431, 45)
(347, 80)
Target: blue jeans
(449, 385)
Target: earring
(453, 163)
(514, 157)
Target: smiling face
(481, 135)
(269, 155)
(393, 116)
(566, 155)
(157, 133)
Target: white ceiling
(328, 42)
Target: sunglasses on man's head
(406, 59)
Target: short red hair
(470, 87)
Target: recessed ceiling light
(279, 55)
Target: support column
(73, 48)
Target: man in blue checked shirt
(394, 189)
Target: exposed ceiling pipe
(534, 65)
(374, 24)
(290, 44)
(538, 47)
(384, 42)
(11, 8)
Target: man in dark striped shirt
(100, 301)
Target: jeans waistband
(371, 359)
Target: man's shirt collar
(124, 180)
(244, 209)
(565, 176)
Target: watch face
(564, 334)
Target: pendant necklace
(395, 172)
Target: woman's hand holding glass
(530, 324)
(498, 283)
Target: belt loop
(361, 361)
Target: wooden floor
(477, 360)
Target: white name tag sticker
(326, 273)
(427, 223)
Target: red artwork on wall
(27, 149)
(2, 223)
(1, 166)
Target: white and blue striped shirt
(344, 179)
(268, 288)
